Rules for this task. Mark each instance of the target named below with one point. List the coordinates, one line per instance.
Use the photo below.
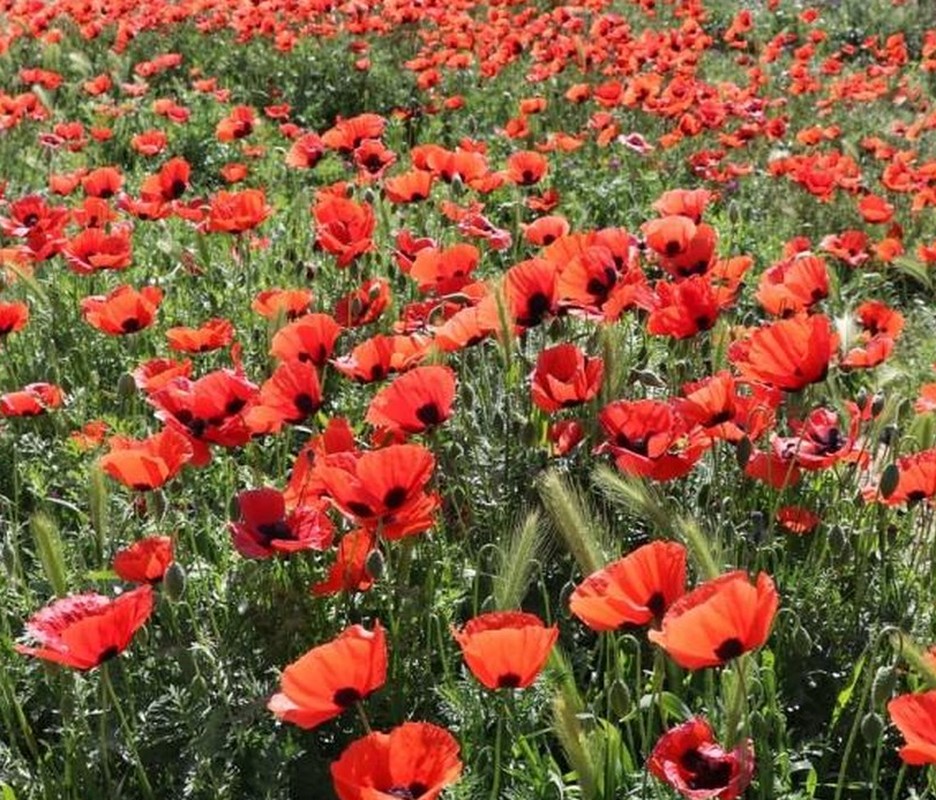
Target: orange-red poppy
(96, 248)
(506, 649)
(915, 717)
(916, 481)
(83, 631)
(291, 303)
(343, 227)
(526, 167)
(237, 212)
(689, 203)
(416, 760)
(145, 561)
(409, 187)
(332, 677)
(309, 338)
(415, 402)
(31, 401)
(718, 620)
(793, 285)
(211, 335)
(152, 375)
(149, 463)
(635, 590)
(306, 151)
(363, 305)
(375, 358)
(349, 572)
(564, 377)
(789, 354)
(292, 394)
(13, 317)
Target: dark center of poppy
(429, 414)
(672, 248)
(703, 322)
(537, 306)
(30, 219)
(275, 530)
(509, 680)
(377, 372)
(916, 496)
(108, 654)
(141, 487)
(528, 177)
(177, 188)
(830, 441)
(638, 445)
(657, 604)
(304, 402)
(817, 295)
(720, 417)
(597, 289)
(360, 509)
(373, 162)
(412, 792)
(706, 772)
(130, 325)
(395, 497)
(196, 427)
(729, 649)
(346, 697)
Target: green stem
(498, 739)
(129, 734)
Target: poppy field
(499, 400)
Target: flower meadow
(508, 400)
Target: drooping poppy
(635, 590)
(332, 677)
(915, 717)
(306, 151)
(820, 441)
(145, 561)
(797, 520)
(564, 377)
(122, 310)
(266, 529)
(689, 759)
(349, 572)
(416, 760)
(789, 354)
(147, 464)
(211, 335)
(415, 402)
(31, 401)
(506, 649)
(83, 631)
(719, 620)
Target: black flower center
(729, 649)
(412, 792)
(657, 604)
(346, 697)
(509, 680)
(429, 414)
(395, 497)
(706, 772)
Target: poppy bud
(622, 701)
(174, 581)
(744, 452)
(368, 196)
(890, 477)
(126, 387)
(889, 434)
(529, 434)
(758, 527)
(158, 504)
(375, 565)
(877, 403)
(838, 542)
(734, 212)
(872, 727)
(861, 399)
(885, 681)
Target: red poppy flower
(647, 438)
(415, 760)
(383, 488)
(364, 305)
(718, 405)
(820, 441)
(669, 236)
(718, 620)
(332, 677)
(797, 520)
(349, 572)
(152, 375)
(236, 125)
(83, 631)
(372, 157)
(689, 759)
(291, 395)
(526, 167)
(102, 182)
(789, 354)
(147, 464)
(793, 285)
(170, 183)
(531, 291)
(265, 529)
(416, 401)
(291, 303)
(309, 338)
(685, 308)
(13, 317)
(875, 209)
(149, 143)
(506, 649)
(212, 335)
(565, 377)
(123, 310)
(95, 248)
(94, 213)
(145, 561)
(916, 480)
(849, 246)
(635, 590)
(375, 358)
(546, 230)
(915, 717)
(31, 401)
(409, 187)
(444, 271)
(347, 134)
(689, 203)
(208, 410)
(237, 212)
(343, 227)
(306, 151)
